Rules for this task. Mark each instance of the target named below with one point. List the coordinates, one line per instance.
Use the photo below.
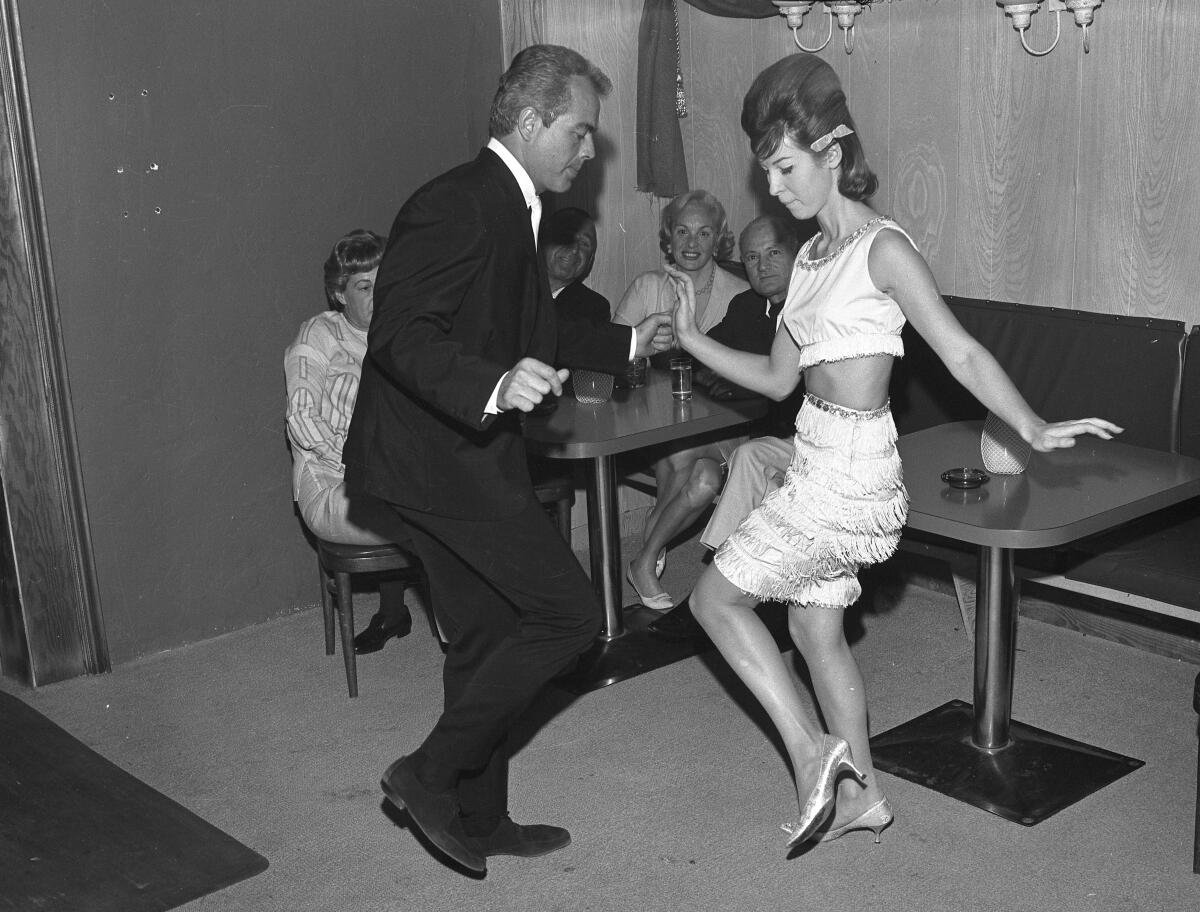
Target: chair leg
(562, 511)
(346, 621)
(326, 608)
(1196, 838)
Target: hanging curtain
(661, 169)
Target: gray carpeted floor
(671, 790)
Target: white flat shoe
(661, 602)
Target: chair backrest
(1067, 364)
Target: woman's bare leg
(819, 635)
(728, 617)
(693, 480)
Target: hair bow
(821, 143)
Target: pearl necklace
(709, 284)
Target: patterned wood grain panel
(520, 25)
(1138, 192)
(919, 164)
(1060, 181)
(718, 154)
(870, 83)
(1018, 188)
(627, 221)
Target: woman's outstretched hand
(685, 308)
(1061, 434)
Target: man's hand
(528, 383)
(654, 335)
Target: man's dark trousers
(498, 656)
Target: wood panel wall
(1059, 181)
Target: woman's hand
(1061, 434)
(685, 309)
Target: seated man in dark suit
(768, 247)
(567, 240)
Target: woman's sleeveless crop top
(834, 311)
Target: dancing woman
(843, 503)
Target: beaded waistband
(843, 412)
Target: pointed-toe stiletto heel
(877, 818)
(835, 760)
(661, 602)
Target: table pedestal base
(636, 651)
(1037, 775)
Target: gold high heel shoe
(835, 760)
(877, 818)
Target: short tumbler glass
(681, 377)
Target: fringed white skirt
(841, 507)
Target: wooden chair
(337, 563)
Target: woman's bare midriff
(856, 383)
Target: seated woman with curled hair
(694, 235)
(322, 367)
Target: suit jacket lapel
(536, 338)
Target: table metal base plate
(634, 652)
(1037, 775)
(638, 650)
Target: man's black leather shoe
(379, 631)
(678, 624)
(436, 813)
(525, 841)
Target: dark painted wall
(199, 158)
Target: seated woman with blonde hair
(693, 235)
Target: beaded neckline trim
(803, 262)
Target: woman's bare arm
(899, 271)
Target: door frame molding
(51, 626)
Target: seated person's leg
(755, 469)
(694, 480)
(332, 516)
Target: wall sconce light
(1021, 11)
(845, 10)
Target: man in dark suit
(567, 239)
(463, 340)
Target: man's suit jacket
(461, 295)
(577, 300)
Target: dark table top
(1061, 496)
(632, 419)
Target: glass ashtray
(964, 478)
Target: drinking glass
(681, 377)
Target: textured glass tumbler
(635, 374)
(592, 387)
(1004, 451)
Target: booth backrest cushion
(1067, 364)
